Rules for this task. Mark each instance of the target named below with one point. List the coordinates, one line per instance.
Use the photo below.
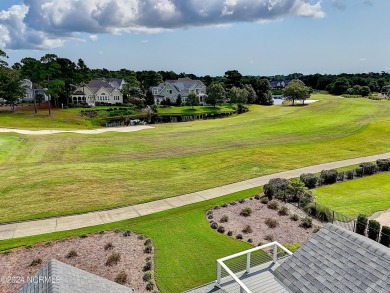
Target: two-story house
(106, 91)
(33, 91)
(172, 89)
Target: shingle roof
(96, 84)
(337, 260)
(68, 279)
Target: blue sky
(257, 37)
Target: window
(155, 92)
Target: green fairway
(71, 173)
(359, 196)
(60, 119)
(186, 248)
(186, 110)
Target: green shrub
(148, 249)
(239, 236)
(216, 207)
(140, 237)
(247, 229)
(35, 262)
(71, 254)
(224, 205)
(150, 286)
(328, 176)
(148, 242)
(309, 179)
(369, 168)
(340, 176)
(269, 191)
(121, 278)
(349, 174)
(221, 229)
(233, 203)
(257, 196)
(250, 240)
(246, 212)
(276, 187)
(383, 164)
(264, 200)
(322, 213)
(271, 223)
(127, 233)
(242, 200)
(147, 276)
(359, 172)
(147, 266)
(373, 229)
(294, 217)
(230, 233)
(307, 222)
(283, 211)
(113, 259)
(385, 236)
(273, 205)
(108, 246)
(209, 212)
(224, 219)
(214, 225)
(269, 237)
(361, 224)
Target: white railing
(244, 289)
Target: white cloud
(43, 24)
(93, 37)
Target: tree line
(60, 77)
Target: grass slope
(185, 110)
(364, 195)
(71, 173)
(186, 248)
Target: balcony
(249, 271)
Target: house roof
(337, 260)
(97, 84)
(68, 279)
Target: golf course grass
(359, 196)
(185, 110)
(64, 174)
(186, 248)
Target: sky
(255, 37)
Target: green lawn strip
(186, 248)
(186, 110)
(364, 195)
(116, 169)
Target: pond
(278, 101)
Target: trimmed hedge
(309, 179)
(373, 229)
(361, 224)
(385, 236)
(328, 176)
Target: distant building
(33, 90)
(107, 91)
(172, 89)
(279, 84)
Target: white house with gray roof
(333, 260)
(171, 89)
(106, 91)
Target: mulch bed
(287, 230)
(91, 257)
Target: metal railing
(248, 253)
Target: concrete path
(37, 227)
(86, 131)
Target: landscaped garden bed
(256, 221)
(122, 257)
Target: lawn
(60, 119)
(186, 110)
(359, 196)
(71, 173)
(186, 248)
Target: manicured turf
(60, 119)
(359, 196)
(186, 110)
(186, 248)
(71, 173)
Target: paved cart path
(86, 131)
(37, 227)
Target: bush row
(373, 230)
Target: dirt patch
(286, 230)
(91, 257)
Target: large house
(172, 89)
(279, 84)
(332, 260)
(33, 91)
(107, 91)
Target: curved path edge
(80, 131)
(50, 225)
